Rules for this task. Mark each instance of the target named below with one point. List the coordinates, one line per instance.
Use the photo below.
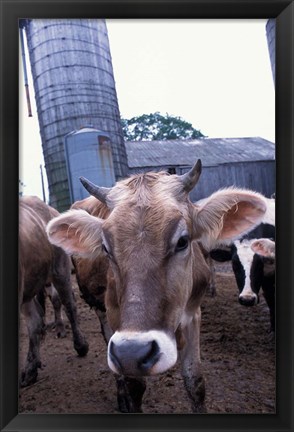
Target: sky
(215, 74)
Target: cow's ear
(227, 215)
(76, 232)
(264, 247)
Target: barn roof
(211, 151)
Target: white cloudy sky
(215, 74)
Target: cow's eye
(182, 243)
(104, 248)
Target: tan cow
(91, 272)
(155, 240)
(40, 263)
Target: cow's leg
(269, 295)
(105, 328)
(191, 364)
(61, 281)
(211, 289)
(41, 296)
(36, 329)
(58, 323)
(130, 393)
(129, 390)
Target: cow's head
(154, 238)
(266, 249)
(252, 260)
(248, 270)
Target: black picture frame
(11, 12)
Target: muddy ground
(238, 356)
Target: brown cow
(92, 273)
(39, 263)
(57, 324)
(156, 240)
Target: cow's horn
(190, 178)
(98, 192)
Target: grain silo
(271, 41)
(74, 87)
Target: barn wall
(258, 176)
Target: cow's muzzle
(133, 356)
(248, 300)
(139, 354)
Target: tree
(158, 127)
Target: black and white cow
(252, 268)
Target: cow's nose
(248, 301)
(131, 357)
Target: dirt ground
(237, 351)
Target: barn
(243, 162)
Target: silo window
(171, 170)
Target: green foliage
(150, 127)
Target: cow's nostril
(114, 358)
(151, 357)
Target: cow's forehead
(125, 221)
(152, 204)
(244, 249)
(147, 189)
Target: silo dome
(88, 154)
